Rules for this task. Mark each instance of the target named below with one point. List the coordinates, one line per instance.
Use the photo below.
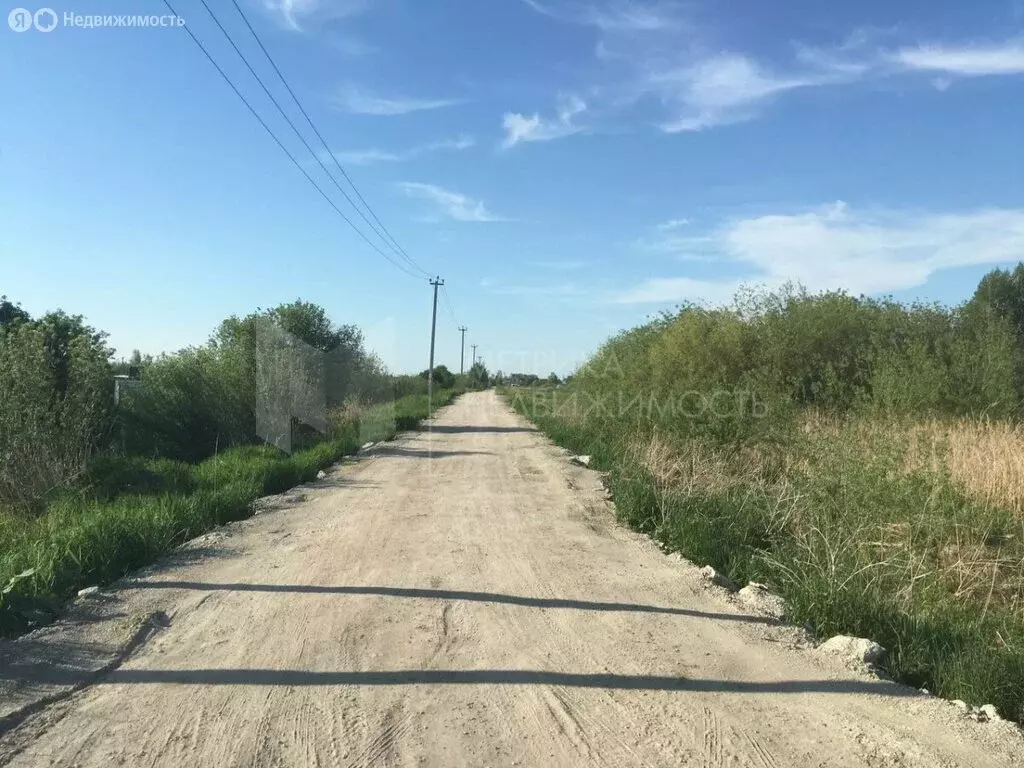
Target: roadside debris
(89, 592)
(858, 649)
(757, 596)
(583, 461)
(321, 475)
(984, 714)
(717, 577)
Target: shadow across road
(299, 677)
(422, 453)
(451, 594)
(454, 429)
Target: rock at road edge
(89, 592)
(759, 598)
(989, 711)
(717, 577)
(321, 475)
(858, 649)
(583, 461)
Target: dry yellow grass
(984, 459)
(693, 467)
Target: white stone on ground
(717, 577)
(758, 597)
(858, 649)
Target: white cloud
(456, 205)
(615, 15)
(372, 156)
(724, 89)
(460, 142)
(970, 61)
(665, 290)
(833, 247)
(357, 102)
(291, 12)
(671, 224)
(365, 156)
(519, 128)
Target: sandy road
(456, 598)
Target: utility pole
(430, 371)
(462, 355)
(474, 353)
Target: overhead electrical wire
(448, 303)
(323, 141)
(298, 133)
(284, 149)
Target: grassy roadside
(908, 533)
(129, 512)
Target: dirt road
(461, 597)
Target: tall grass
(860, 456)
(130, 511)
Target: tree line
(246, 385)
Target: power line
(284, 149)
(448, 303)
(298, 133)
(323, 142)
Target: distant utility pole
(433, 328)
(462, 355)
(474, 353)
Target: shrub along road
(457, 597)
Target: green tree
(56, 401)
(478, 377)
(11, 313)
(1002, 292)
(443, 378)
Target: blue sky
(568, 167)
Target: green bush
(789, 485)
(55, 407)
(132, 510)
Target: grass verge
(860, 529)
(130, 511)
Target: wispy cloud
(361, 103)
(453, 204)
(365, 156)
(832, 247)
(968, 61)
(671, 224)
(521, 128)
(666, 290)
(372, 156)
(643, 55)
(724, 89)
(293, 14)
(615, 15)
